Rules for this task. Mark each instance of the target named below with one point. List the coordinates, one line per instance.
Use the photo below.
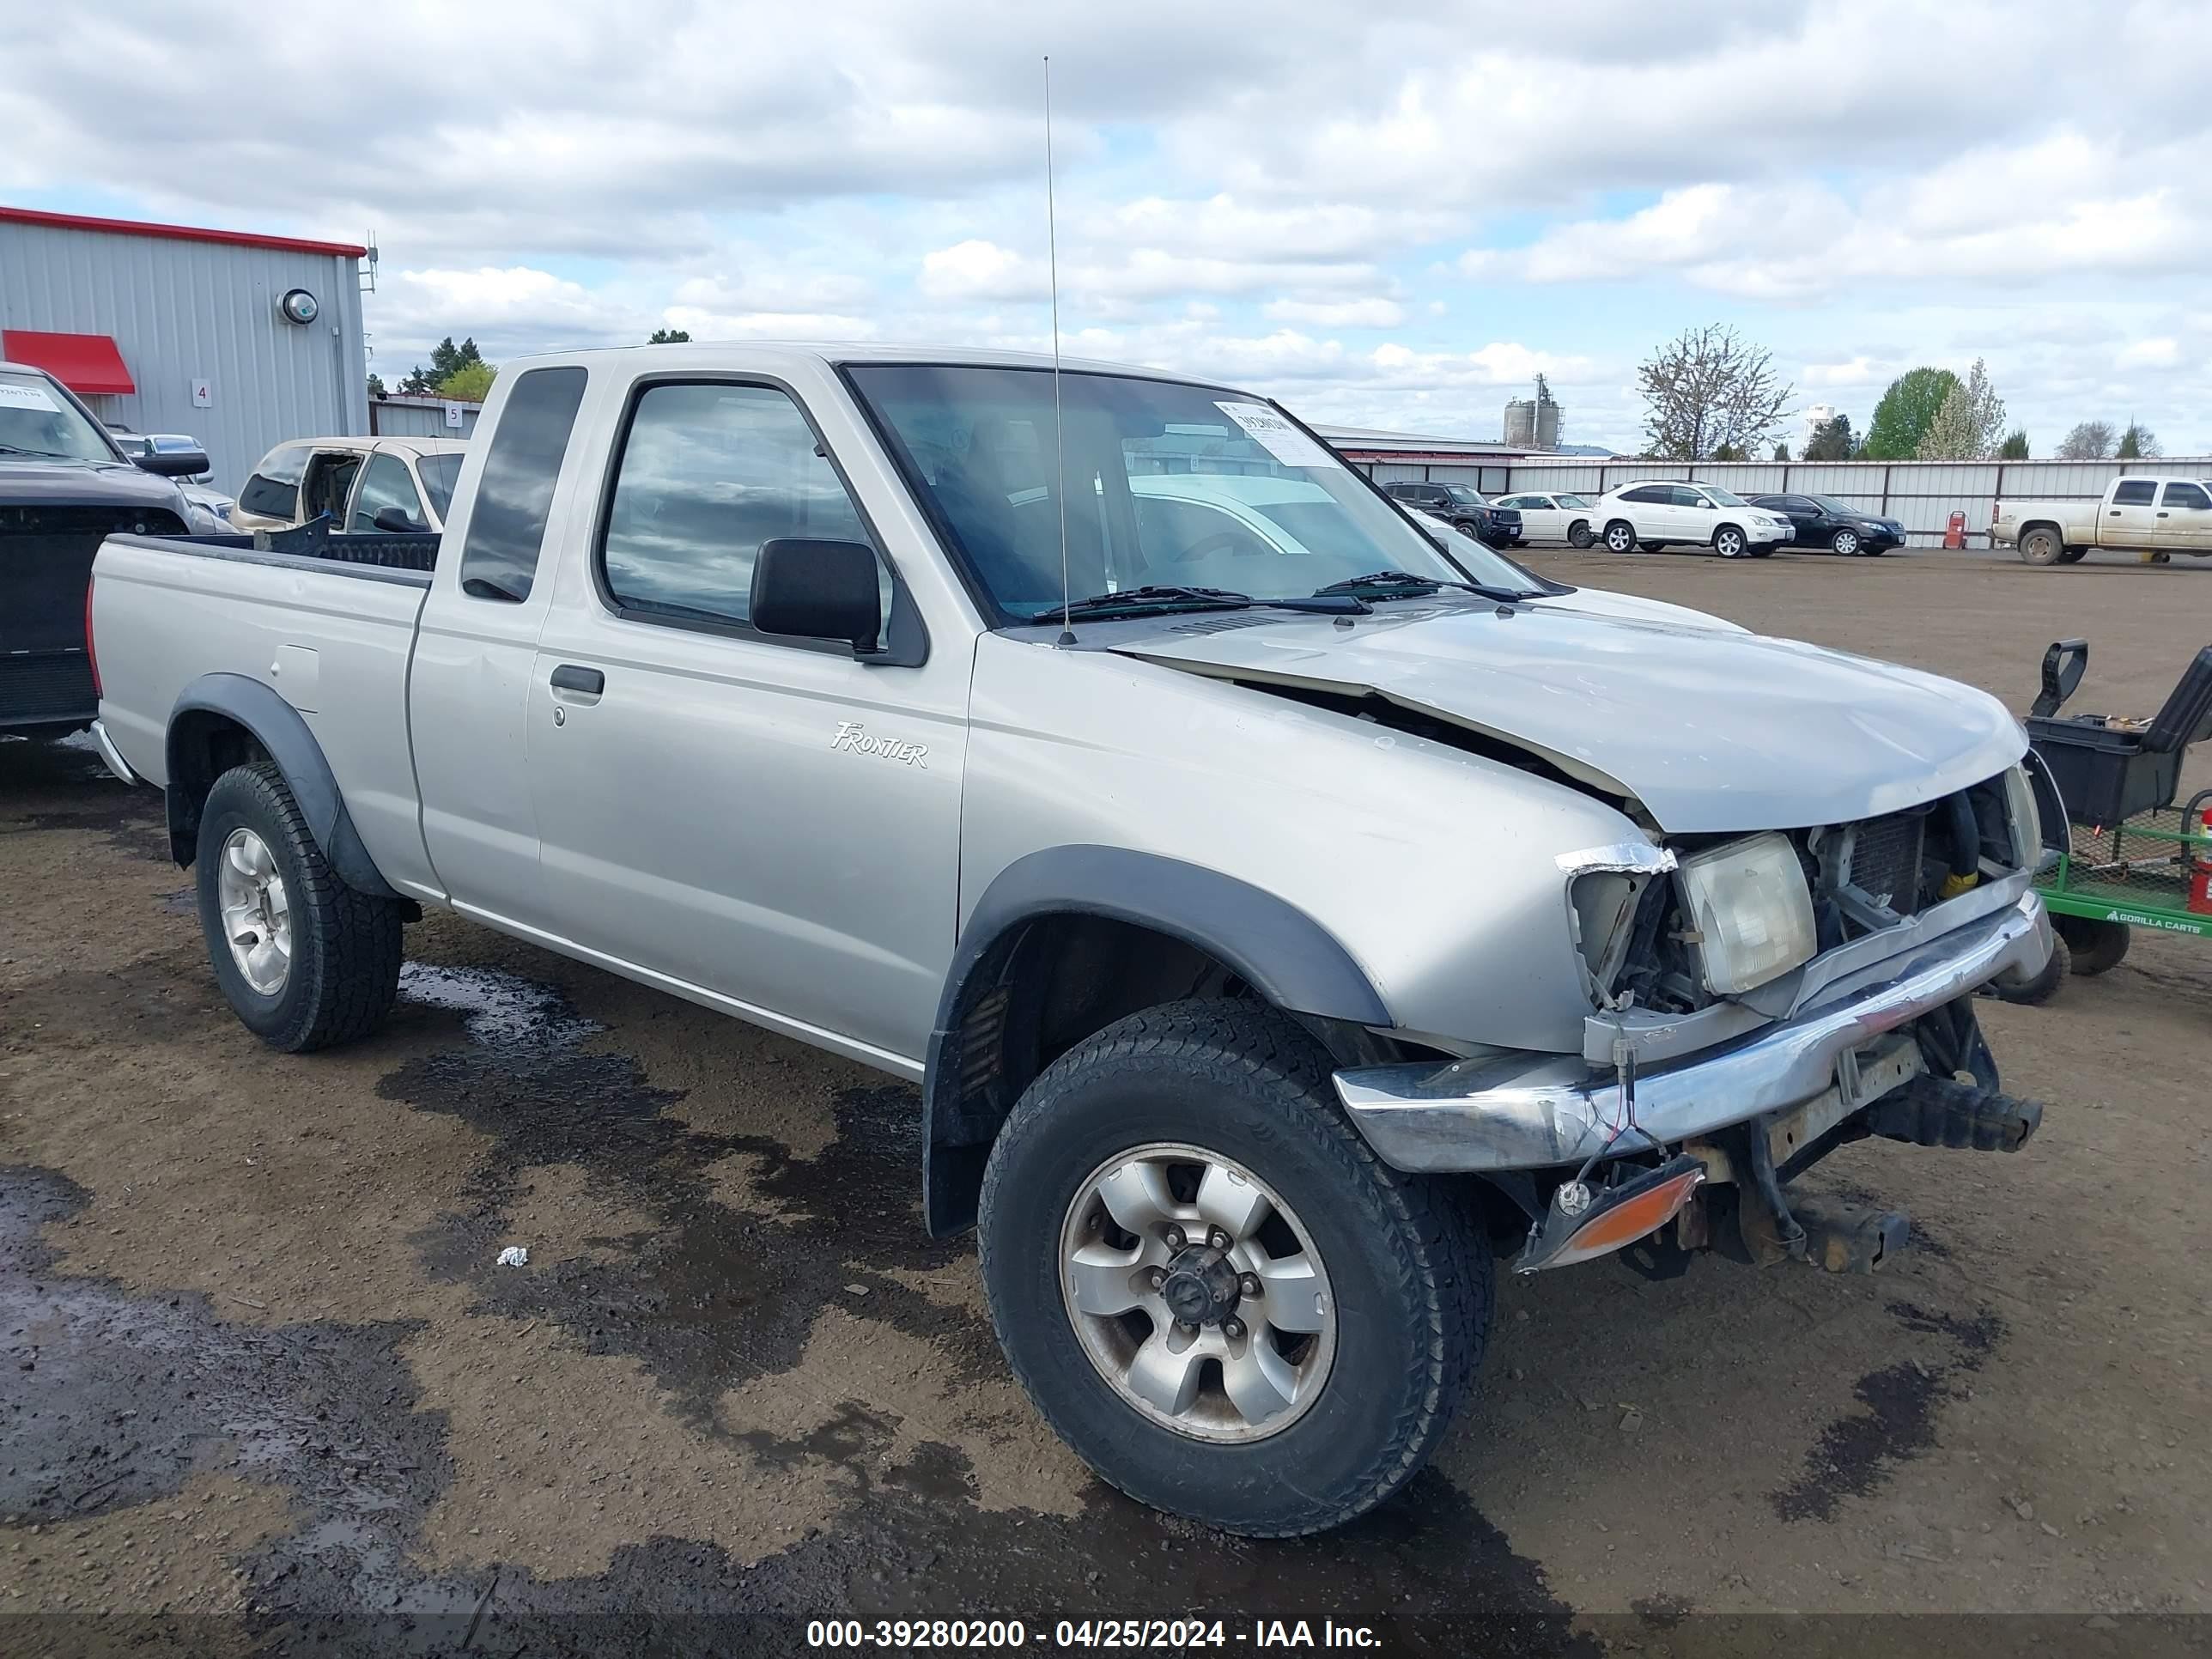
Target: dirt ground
(263, 1384)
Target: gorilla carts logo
(852, 739)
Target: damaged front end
(1757, 1002)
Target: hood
(1601, 602)
(37, 481)
(1711, 731)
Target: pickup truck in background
(1283, 904)
(2156, 517)
(64, 485)
(400, 486)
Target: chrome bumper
(1516, 1112)
(112, 755)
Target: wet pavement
(265, 1386)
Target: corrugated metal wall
(1920, 494)
(419, 418)
(182, 310)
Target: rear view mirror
(810, 589)
(173, 463)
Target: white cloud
(2163, 352)
(1336, 313)
(1858, 371)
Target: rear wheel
(1621, 537)
(304, 960)
(1210, 1286)
(1729, 542)
(2097, 945)
(1578, 533)
(1846, 541)
(2042, 545)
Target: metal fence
(1920, 494)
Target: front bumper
(1518, 1112)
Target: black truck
(63, 487)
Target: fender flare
(278, 728)
(1283, 953)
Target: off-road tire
(2096, 945)
(1578, 533)
(2044, 986)
(2042, 546)
(1412, 1278)
(1621, 537)
(344, 970)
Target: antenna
(1059, 437)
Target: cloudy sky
(1383, 215)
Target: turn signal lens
(1617, 1219)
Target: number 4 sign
(203, 394)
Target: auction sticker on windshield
(1275, 435)
(17, 396)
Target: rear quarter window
(515, 496)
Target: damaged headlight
(1750, 913)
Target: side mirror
(173, 462)
(394, 522)
(810, 589)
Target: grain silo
(1534, 422)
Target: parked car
(210, 506)
(400, 486)
(1824, 522)
(1553, 519)
(1660, 514)
(64, 485)
(1462, 507)
(2157, 517)
(1268, 955)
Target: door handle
(2161, 514)
(570, 677)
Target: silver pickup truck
(1282, 905)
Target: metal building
(401, 414)
(242, 341)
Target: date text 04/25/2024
(1168, 1634)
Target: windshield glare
(1570, 500)
(1462, 496)
(33, 417)
(1167, 484)
(1725, 497)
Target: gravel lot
(264, 1382)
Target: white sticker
(1276, 435)
(15, 394)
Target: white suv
(1659, 514)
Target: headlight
(1749, 911)
(2026, 820)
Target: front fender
(1283, 953)
(215, 702)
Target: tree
(2090, 440)
(1707, 389)
(1781, 452)
(2139, 443)
(2015, 446)
(1831, 440)
(1969, 426)
(470, 384)
(447, 360)
(1729, 452)
(1906, 412)
(670, 337)
(376, 385)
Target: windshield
(439, 474)
(1725, 497)
(35, 419)
(1167, 484)
(1830, 504)
(1462, 496)
(1572, 501)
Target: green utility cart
(2122, 854)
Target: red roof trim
(88, 364)
(178, 232)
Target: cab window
(2187, 494)
(2134, 492)
(384, 483)
(273, 491)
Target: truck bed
(330, 629)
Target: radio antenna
(1059, 438)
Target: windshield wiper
(1151, 596)
(42, 454)
(1405, 584)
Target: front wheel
(1578, 533)
(1846, 541)
(304, 960)
(1729, 542)
(1621, 537)
(2042, 987)
(2074, 556)
(1209, 1285)
(1653, 547)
